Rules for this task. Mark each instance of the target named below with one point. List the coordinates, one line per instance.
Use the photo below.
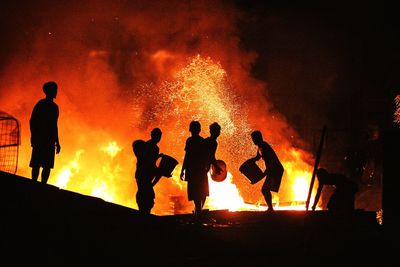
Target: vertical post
(17, 143)
(317, 159)
(391, 148)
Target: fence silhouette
(9, 142)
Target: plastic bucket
(219, 176)
(251, 170)
(167, 165)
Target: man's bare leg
(35, 173)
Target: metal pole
(317, 159)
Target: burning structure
(125, 67)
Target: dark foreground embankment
(47, 226)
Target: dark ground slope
(47, 226)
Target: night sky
(328, 63)
(334, 62)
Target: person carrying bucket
(274, 169)
(216, 167)
(147, 174)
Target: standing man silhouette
(44, 133)
(194, 168)
(274, 169)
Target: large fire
(104, 108)
(199, 91)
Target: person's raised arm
(258, 156)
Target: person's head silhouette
(257, 137)
(215, 129)
(194, 127)
(50, 89)
(156, 134)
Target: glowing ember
(200, 91)
(397, 111)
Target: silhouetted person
(274, 169)
(212, 144)
(44, 133)
(147, 154)
(343, 197)
(194, 168)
